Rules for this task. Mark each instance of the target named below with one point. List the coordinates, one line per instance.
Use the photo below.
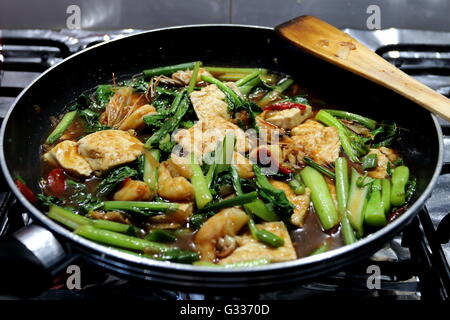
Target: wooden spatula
(329, 43)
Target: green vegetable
(374, 211)
(324, 247)
(385, 134)
(73, 220)
(91, 121)
(66, 217)
(321, 198)
(297, 187)
(264, 236)
(169, 69)
(342, 189)
(172, 123)
(127, 242)
(319, 167)
(367, 122)
(201, 190)
(251, 76)
(356, 202)
(235, 102)
(231, 70)
(142, 207)
(113, 179)
(61, 127)
(276, 92)
(48, 201)
(241, 264)
(194, 76)
(231, 202)
(276, 197)
(160, 235)
(223, 156)
(249, 85)
(297, 184)
(259, 209)
(370, 161)
(349, 146)
(151, 163)
(103, 94)
(386, 195)
(400, 178)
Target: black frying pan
(24, 128)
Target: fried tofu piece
(205, 135)
(65, 154)
(224, 224)
(384, 156)
(184, 76)
(210, 102)
(133, 190)
(251, 249)
(107, 149)
(300, 202)
(318, 142)
(288, 118)
(136, 119)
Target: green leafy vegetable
(276, 197)
(115, 177)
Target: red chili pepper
(27, 193)
(124, 182)
(56, 182)
(284, 106)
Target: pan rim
(394, 227)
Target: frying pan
(47, 245)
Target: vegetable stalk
(374, 211)
(321, 198)
(151, 163)
(400, 178)
(342, 189)
(133, 243)
(231, 202)
(168, 69)
(367, 122)
(356, 202)
(61, 127)
(201, 190)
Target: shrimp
(133, 190)
(175, 189)
(179, 166)
(214, 239)
(243, 166)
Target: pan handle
(28, 260)
(446, 149)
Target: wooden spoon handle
(329, 43)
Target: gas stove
(414, 265)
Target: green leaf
(113, 179)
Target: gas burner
(414, 265)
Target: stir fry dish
(219, 166)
